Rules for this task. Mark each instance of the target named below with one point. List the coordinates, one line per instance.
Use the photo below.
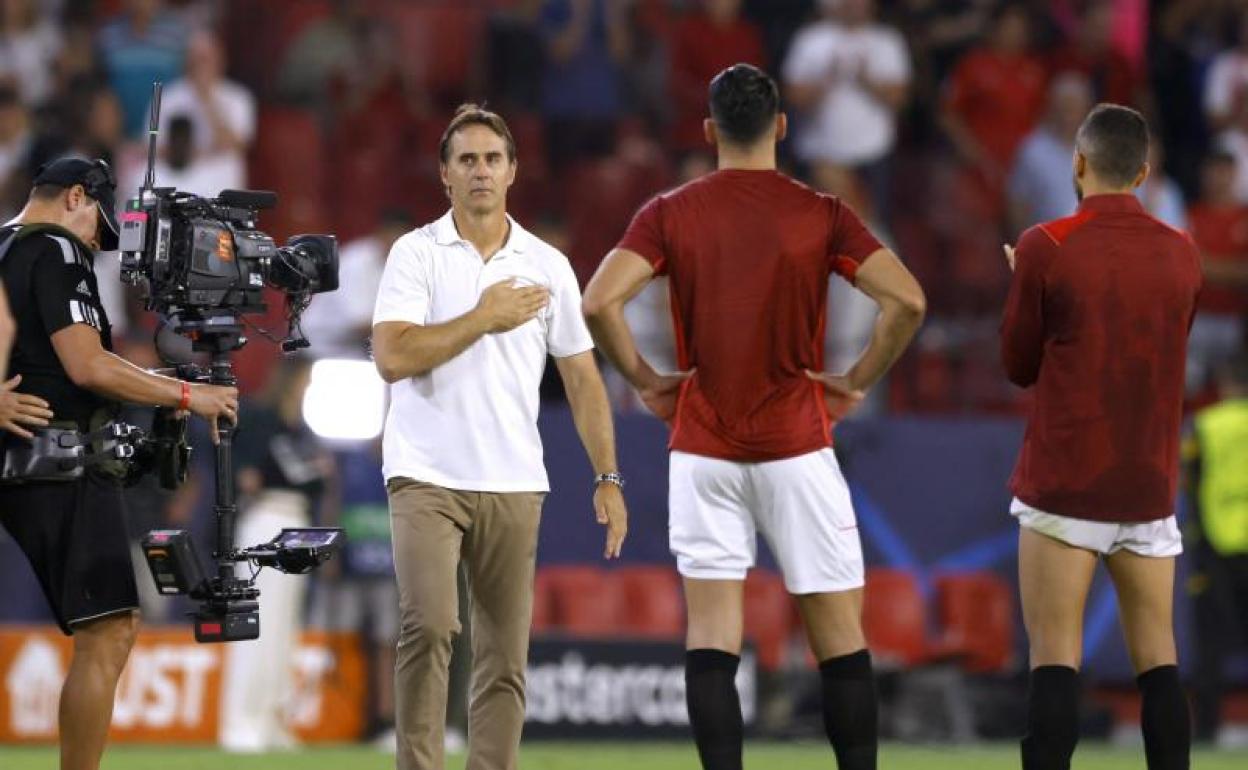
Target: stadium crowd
(948, 125)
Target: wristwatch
(609, 478)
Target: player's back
(749, 254)
(1118, 292)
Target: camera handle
(219, 337)
(226, 505)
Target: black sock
(850, 710)
(1165, 719)
(714, 707)
(1052, 718)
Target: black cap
(97, 180)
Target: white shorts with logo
(1158, 538)
(800, 504)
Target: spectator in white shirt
(848, 76)
(30, 42)
(1226, 90)
(222, 112)
(181, 167)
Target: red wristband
(185, 403)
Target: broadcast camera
(204, 258)
(204, 265)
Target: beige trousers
(495, 534)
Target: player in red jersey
(749, 253)
(1096, 324)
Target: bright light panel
(345, 400)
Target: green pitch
(613, 756)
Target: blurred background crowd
(947, 124)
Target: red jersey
(1097, 320)
(1221, 232)
(749, 255)
(999, 97)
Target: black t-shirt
(49, 278)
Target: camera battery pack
(238, 623)
(173, 561)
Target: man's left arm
(568, 341)
(591, 411)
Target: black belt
(65, 454)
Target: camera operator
(71, 528)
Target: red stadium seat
(653, 604)
(894, 618)
(768, 617)
(288, 158)
(543, 604)
(602, 196)
(976, 613)
(586, 601)
(446, 36)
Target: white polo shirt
(471, 423)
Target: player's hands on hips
(1009, 255)
(839, 395)
(504, 305)
(660, 394)
(611, 512)
(18, 409)
(214, 402)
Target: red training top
(1097, 320)
(749, 254)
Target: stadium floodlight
(345, 400)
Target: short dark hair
(1114, 139)
(46, 192)
(476, 115)
(744, 101)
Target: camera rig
(203, 266)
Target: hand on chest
(458, 291)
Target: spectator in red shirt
(1219, 225)
(992, 100)
(995, 95)
(1096, 323)
(748, 253)
(1093, 54)
(707, 41)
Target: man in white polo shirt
(468, 309)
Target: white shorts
(800, 504)
(1158, 538)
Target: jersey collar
(1112, 203)
(445, 234)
